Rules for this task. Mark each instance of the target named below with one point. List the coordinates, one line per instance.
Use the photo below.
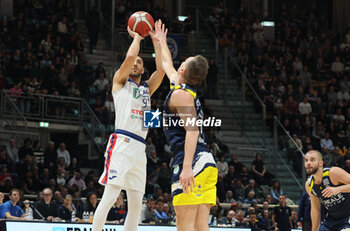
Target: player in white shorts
(125, 166)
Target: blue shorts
(330, 225)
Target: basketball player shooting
(194, 169)
(331, 187)
(125, 166)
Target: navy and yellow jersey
(282, 216)
(176, 134)
(337, 206)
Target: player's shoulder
(336, 171)
(182, 94)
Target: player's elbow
(161, 72)
(130, 59)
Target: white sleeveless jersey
(129, 102)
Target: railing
(199, 17)
(245, 82)
(245, 121)
(283, 140)
(106, 27)
(53, 108)
(10, 113)
(13, 119)
(93, 126)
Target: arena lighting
(182, 18)
(153, 55)
(268, 23)
(44, 124)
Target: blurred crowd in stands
(302, 76)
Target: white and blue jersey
(125, 164)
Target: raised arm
(315, 209)
(122, 75)
(157, 77)
(167, 61)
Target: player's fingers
(131, 33)
(184, 188)
(194, 182)
(166, 31)
(191, 186)
(326, 193)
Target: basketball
(141, 22)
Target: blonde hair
(196, 70)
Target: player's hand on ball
(133, 34)
(159, 33)
(330, 191)
(187, 180)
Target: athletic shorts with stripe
(205, 176)
(125, 163)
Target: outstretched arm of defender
(184, 104)
(315, 209)
(157, 77)
(167, 61)
(338, 177)
(122, 75)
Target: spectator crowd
(302, 75)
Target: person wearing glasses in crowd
(46, 208)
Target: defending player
(331, 187)
(125, 166)
(194, 170)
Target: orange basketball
(141, 22)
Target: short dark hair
(159, 200)
(196, 70)
(252, 213)
(13, 190)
